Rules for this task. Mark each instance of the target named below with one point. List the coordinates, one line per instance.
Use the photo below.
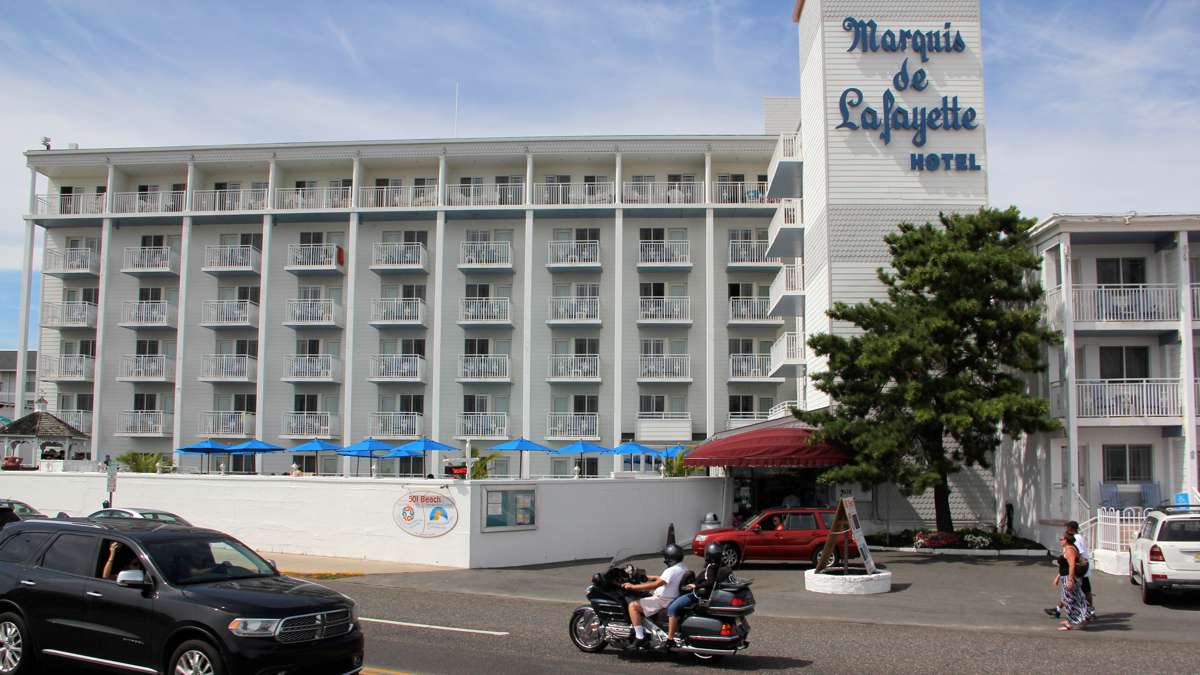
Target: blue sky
(1091, 104)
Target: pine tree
(936, 375)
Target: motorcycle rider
(665, 587)
(691, 594)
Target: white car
(1166, 553)
(147, 514)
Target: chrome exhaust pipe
(705, 652)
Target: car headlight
(700, 538)
(353, 613)
(253, 627)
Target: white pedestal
(850, 584)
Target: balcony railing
(69, 315)
(144, 423)
(231, 258)
(71, 262)
(398, 197)
(317, 367)
(787, 290)
(148, 314)
(574, 309)
(663, 426)
(783, 409)
(666, 253)
(572, 253)
(555, 194)
(147, 367)
(71, 205)
(308, 425)
(739, 193)
(398, 255)
(741, 419)
(168, 201)
(228, 367)
(226, 424)
(323, 312)
(318, 256)
(666, 310)
(750, 253)
(80, 419)
(400, 367)
(1126, 302)
(749, 366)
(304, 199)
(485, 254)
(787, 350)
(395, 425)
(229, 313)
(665, 368)
(574, 367)
(572, 425)
(156, 259)
(492, 194)
(229, 200)
(482, 425)
(787, 148)
(1129, 398)
(70, 367)
(485, 310)
(398, 311)
(663, 193)
(483, 367)
(743, 309)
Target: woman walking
(1071, 569)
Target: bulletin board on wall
(509, 508)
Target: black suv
(148, 597)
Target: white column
(434, 347)
(1187, 370)
(441, 191)
(181, 331)
(708, 176)
(23, 322)
(528, 178)
(1069, 389)
(265, 301)
(527, 342)
(710, 327)
(348, 351)
(617, 185)
(192, 177)
(618, 360)
(272, 183)
(100, 405)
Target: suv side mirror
(131, 578)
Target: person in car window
(665, 587)
(776, 523)
(120, 559)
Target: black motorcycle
(714, 627)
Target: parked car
(134, 512)
(1166, 553)
(21, 509)
(145, 596)
(775, 534)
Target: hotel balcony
(787, 356)
(574, 310)
(228, 368)
(672, 368)
(573, 368)
(71, 263)
(485, 311)
(752, 311)
(751, 368)
(236, 259)
(569, 256)
(145, 423)
(783, 409)
(322, 368)
(313, 313)
(68, 315)
(491, 194)
(80, 419)
(751, 256)
(68, 368)
(146, 261)
(484, 368)
(306, 425)
(664, 256)
(482, 426)
(744, 419)
(89, 204)
(397, 368)
(660, 310)
(397, 197)
(1121, 307)
(146, 368)
(316, 259)
(485, 256)
(1129, 402)
(573, 194)
(785, 173)
(163, 201)
(663, 194)
(739, 193)
(663, 427)
(388, 256)
(787, 291)
(225, 201)
(397, 312)
(229, 314)
(226, 424)
(149, 314)
(395, 425)
(312, 199)
(785, 238)
(572, 427)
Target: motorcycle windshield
(622, 556)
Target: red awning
(779, 446)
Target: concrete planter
(850, 584)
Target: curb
(968, 552)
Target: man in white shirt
(665, 588)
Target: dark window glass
(801, 521)
(1180, 530)
(71, 553)
(19, 547)
(1115, 467)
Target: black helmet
(672, 554)
(712, 553)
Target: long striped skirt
(1074, 604)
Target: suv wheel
(1132, 577)
(16, 655)
(731, 557)
(1149, 597)
(196, 657)
(834, 558)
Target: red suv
(775, 534)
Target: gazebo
(41, 436)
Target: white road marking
(389, 622)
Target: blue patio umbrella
(253, 447)
(369, 447)
(423, 445)
(206, 447)
(580, 447)
(673, 451)
(631, 448)
(522, 445)
(317, 446)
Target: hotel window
(1124, 363)
(651, 406)
(741, 406)
(145, 402)
(1115, 271)
(1128, 464)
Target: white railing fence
(252, 199)
(226, 423)
(151, 313)
(572, 425)
(1116, 529)
(310, 366)
(1129, 398)
(1126, 302)
(663, 252)
(552, 194)
(314, 255)
(574, 308)
(664, 309)
(394, 424)
(685, 192)
(744, 251)
(68, 314)
(387, 253)
(482, 424)
(307, 424)
(309, 311)
(572, 252)
(150, 258)
(143, 421)
(147, 366)
(228, 311)
(397, 196)
(569, 366)
(750, 309)
(491, 194)
(485, 253)
(228, 366)
(398, 366)
(485, 309)
(162, 201)
(71, 205)
(71, 260)
(739, 193)
(483, 366)
(312, 198)
(231, 256)
(749, 365)
(673, 366)
(398, 309)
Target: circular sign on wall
(425, 514)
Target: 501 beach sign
(891, 117)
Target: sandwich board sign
(845, 522)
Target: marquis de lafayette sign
(891, 117)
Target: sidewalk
(315, 565)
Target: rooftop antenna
(455, 134)
(46, 141)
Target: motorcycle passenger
(665, 587)
(691, 594)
